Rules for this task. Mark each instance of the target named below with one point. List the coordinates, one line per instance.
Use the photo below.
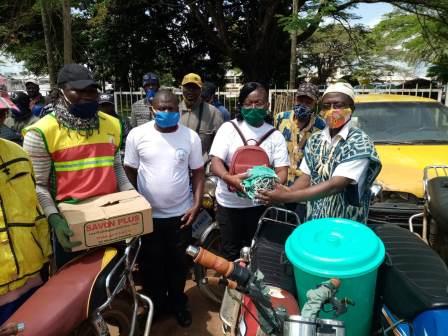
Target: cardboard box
(107, 219)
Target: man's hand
(236, 180)
(62, 231)
(278, 195)
(190, 216)
(10, 329)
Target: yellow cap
(192, 78)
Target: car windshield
(403, 122)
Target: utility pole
(67, 23)
(50, 56)
(293, 58)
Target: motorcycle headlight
(207, 202)
(210, 185)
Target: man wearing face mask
(141, 110)
(22, 117)
(297, 126)
(158, 158)
(339, 166)
(74, 151)
(200, 116)
(37, 100)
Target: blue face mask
(302, 112)
(150, 94)
(84, 110)
(166, 119)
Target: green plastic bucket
(338, 248)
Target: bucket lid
(334, 247)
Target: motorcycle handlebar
(210, 260)
(215, 281)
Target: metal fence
(283, 100)
(279, 100)
(125, 99)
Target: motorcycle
(206, 234)
(435, 215)
(261, 298)
(92, 295)
(411, 288)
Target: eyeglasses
(328, 106)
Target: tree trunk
(67, 23)
(50, 57)
(293, 58)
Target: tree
(439, 70)
(122, 39)
(293, 56)
(47, 38)
(249, 34)
(417, 37)
(24, 30)
(127, 39)
(335, 49)
(67, 23)
(411, 37)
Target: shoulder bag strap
(201, 110)
(239, 132)
(264, 137)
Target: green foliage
(120, 40)
(335, 48)
(411, 37)
(439, 70)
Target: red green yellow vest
(24, 233)
(82, 166)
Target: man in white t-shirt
(339, 167)
(158, 159)
(237, 216)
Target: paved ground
(205, 317)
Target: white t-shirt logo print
(163, 161)
(181, 155)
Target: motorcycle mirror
(375, 191)
(245, 254)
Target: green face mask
(254, 116)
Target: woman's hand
(11, 329)
(236, 180)
(280, 194)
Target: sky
(9, 65)
(370, 15)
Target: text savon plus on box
(107, 219)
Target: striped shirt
(140, 113)
(34, 145)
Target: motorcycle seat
(438, 205)
(413, 277)
(268, 255)
(61, 304)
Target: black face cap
(106, 98)
(76, 77)
(22, 101)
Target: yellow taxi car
(410, 133)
